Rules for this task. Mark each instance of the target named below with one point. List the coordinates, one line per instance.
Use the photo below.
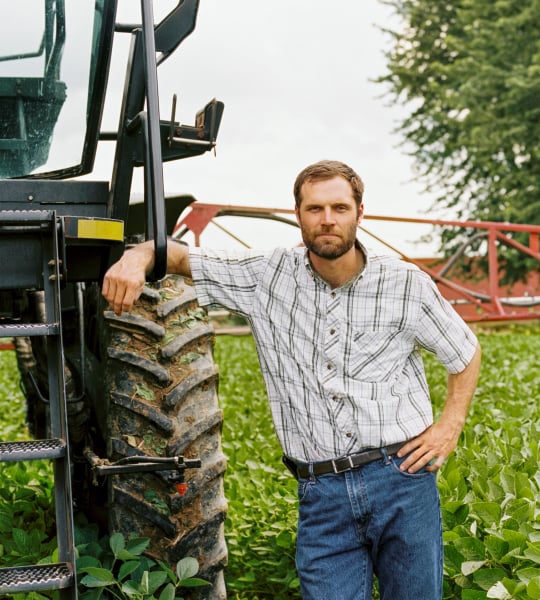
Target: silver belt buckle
(347, 468)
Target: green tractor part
(124, 407)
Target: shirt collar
(352, 281)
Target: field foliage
(490, 487)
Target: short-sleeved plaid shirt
(342, 366)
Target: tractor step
(29, 329)
(14, 580)
(32, 450)
(39, 267)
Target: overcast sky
(296, 80)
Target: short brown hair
(328, 169)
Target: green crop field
(490, 487)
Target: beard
(330, 248)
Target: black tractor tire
(153, 384)
(150, 389)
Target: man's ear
(360, 213)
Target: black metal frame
(44, 272)
(138, 464)
(142, 138)
(99, 76)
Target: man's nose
(328, 216)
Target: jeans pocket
(304, 486)
(395, 463)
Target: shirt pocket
(375, 355)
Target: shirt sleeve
(442, 331)
(225, 278)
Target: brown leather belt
(340, 465)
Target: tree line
(469, 70)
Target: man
(339, 334)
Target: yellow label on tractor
(100, 229)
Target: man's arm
(124, 281)
(437, 442)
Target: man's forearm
(178, 259)
(438, 441)
(125, 280)
(460, 391)
(142, 255)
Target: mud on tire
(158, 397)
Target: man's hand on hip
(430, 448)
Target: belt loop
(311, 473)
(387, 459)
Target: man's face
(328, 217)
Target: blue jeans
(375, 519)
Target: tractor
(125, 408)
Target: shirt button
(335, 398)
(333, 294)
(349, 434)
(329, 366)
(332, 331)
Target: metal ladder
(37, 232)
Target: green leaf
(166, 569)
(452, 558)
(193, 582)
(453, 478)
(455, 513)
(515, 539)
(285, 539)
(488, 578)
(489, 512)
(21, 540)
(117, 543)
(155, 580)
(521, 510)
(137, 545)
(470, 566)
(132, 589)
(187, 567)
(144, 586)
(97, 577)
(145, 392)
(471, 548)
(87, 561)
(532, 552)
(6, 522)
(167, 593)
(499, 592)
(125, 555)
(495, 546)
(527, 574)
(533, 588)
(127, 568)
